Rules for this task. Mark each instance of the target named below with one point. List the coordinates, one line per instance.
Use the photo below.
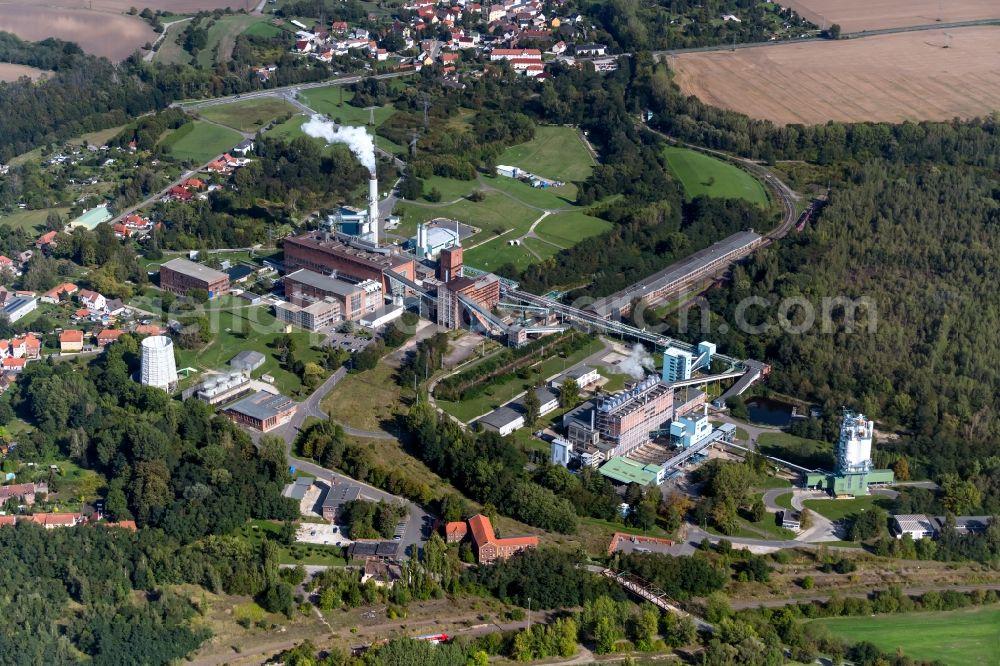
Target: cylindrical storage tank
(158, 366)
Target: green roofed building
(855, 471)
(92, 217)
(625, 470)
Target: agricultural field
(967, 637)
(173, 6)
(200, 141)
(702, 174)
(891, 78)
(248, 115)
(11, 72)
(860, 15)
(556, 152)
(114, 36)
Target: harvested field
(858, 15)
(11, 72)
(114, 36)
(906, 76)
(122, 6)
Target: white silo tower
(854, 448)
(158, 366)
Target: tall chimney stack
(373, 221)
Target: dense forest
(629, 25)
(918, 244)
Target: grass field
(556, 152)
(901, 77)
(835, 509)
(967, 637)
(200, 141)
(365, 400)
(568, 228)
(31, 221)
(495, 213)
(809, 453)
(701, 174)
(248, 115)
(327, 101)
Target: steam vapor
(638, 362)
(356, 139)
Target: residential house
(59, 292)
(382, 574)
(92, 300)
(53, 520)
(13, 365)
(70, 341)
(108, 335)
(45, 240)
(114, 307)
(178, 193)
(150, 329)
(23, 493)
(28, 347)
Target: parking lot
(347, 341)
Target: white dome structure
(158, 366)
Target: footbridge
(654, 595)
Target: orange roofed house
(489, 548)
(70, 341)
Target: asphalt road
(418, 518)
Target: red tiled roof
(71, 336)
(457, 527)
(517, 541)
(11, 363)
(482, 529)
(8, 520)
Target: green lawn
(498, 394)
(450, 188)
(836, 509)
(556, 152)
(967, 637)
(32, 221)
(200, 142)
(327, 101)
(248, 115)
(497, 253)
(809, 453)
(701, 174)
(237, 326)
(495, 213)
(551, 198)
(568, 228)
(263, 29)
(541, 248)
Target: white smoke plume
(638, 362)
(356, 138)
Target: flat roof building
(658, 286)
(355, 299)
(223, 388)
(178, 276)
(262, 411)
(336, 497)
(248, 360)
(325, 254)
(625, 470)
(313, 317)
(503, 420)
(625, 419)
(18, 307)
